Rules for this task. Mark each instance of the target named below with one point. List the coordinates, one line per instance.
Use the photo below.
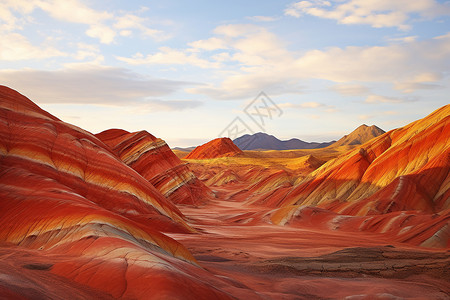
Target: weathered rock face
(71, 208)
(406, 169)
(219, 147)
(154, 160)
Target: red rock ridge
(406, 169)
(154, 160)
(219, 147)
(70, 207)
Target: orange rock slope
(154, 160)
(404, 170)
(219, 147)
(76, 222)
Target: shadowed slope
(152, 158)
(84, 216)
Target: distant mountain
(186, 149)
(269, 142)
(360, 135)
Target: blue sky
(187, 70)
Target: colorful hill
(87, 216)
(219, 147)
(152, 158)
(404, 170)
(76, 222)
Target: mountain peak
(213, 149)
(261, 140)
(360, 135)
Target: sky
(190, 71)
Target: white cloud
(130, 21)
(376, 13)
(73, 11)
(262, 18)
(102, 25)
(236, 30)
(209, 44)
(90, 84)
(382, 99)
(422, 81)
(409, 87)
(15, 46)
(308, 105)
(265, 64)
(88, 51)
(406, 39)
(105, 34)
(169, 56)
(302, 105)
(365, 117)
(350, 89)
(156, 105)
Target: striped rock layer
(78, 223)
(404, 170)
(154, 160)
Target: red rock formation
(219, 147)
(154, 160)
(70, 208)
(406, 169)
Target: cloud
(376, 13)
(130, 21)
(422, 81)
(383, 99)
(262, 18)
(169, 56)
(15, 46)
(350, 89)
(405, 39)
(209, 44)
(94, 85)
(156, 105)
(88, 51)
(309, 105)
(102, 25)
(73, 11)
(105, 34)
(301, 105)
(409, 87)
(365, 117)
(264, 63)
